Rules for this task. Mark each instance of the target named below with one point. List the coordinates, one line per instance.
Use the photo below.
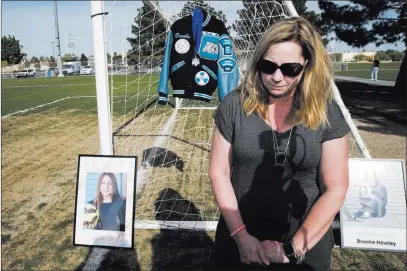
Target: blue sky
(33, 23)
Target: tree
(361, 57)
(83, 60)
(11, 50)
(52, 62)
(337, 57)
(361, 22)
(67, 57)
(255, 18)
(117, 58)
(382, 55)
(34, 59)
(396, 56)
(149, 35)
(43, 58)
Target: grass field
(79, 93)
(39, 158)
(387, 71)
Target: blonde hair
(315, 88)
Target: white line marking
(66, 85)
(42, 105)
(163, 136)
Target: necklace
(280, 157)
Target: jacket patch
(226, 44)
(227, 64)
(209, 46)
(182, 46)
(202, 78)
(177, 66)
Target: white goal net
(173, 141)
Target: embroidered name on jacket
(180, 36)
(198, 76)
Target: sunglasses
(287, 69)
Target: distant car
(26, 73)
(71, 68)
(87, 70)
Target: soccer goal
(172, 141)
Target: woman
(279, 159)
(112, 208)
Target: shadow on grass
(374, 105)
(160, 157)
(179, 249)
(113, 259)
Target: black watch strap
(289, 252)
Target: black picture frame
(117, 176)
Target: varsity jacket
(197, 76)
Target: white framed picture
(373, 216)
(105, 201)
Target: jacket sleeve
(228, 71)
(164, 76)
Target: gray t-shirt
(273, 203)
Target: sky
(33, 23)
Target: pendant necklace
(280, 157)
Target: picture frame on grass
(373, 216)
(105, 201)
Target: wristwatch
(295, 257)
(289, 252)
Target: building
(350, 56)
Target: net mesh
(172, 141)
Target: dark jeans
(226, 254)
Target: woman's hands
(274, 251)
(250, 249)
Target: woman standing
(279, 159)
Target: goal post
(172, 141)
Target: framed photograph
(105, 201)
(373, 216)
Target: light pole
(59, 61)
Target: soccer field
(40, 148)
(59, 121)
(76, 93)
(387, 71)
(137, 126)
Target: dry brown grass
(39, 165)
(39, 161)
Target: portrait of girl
(107, 209)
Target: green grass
(366, 66)
(388, 75)
(387, 71)
(20, 94)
